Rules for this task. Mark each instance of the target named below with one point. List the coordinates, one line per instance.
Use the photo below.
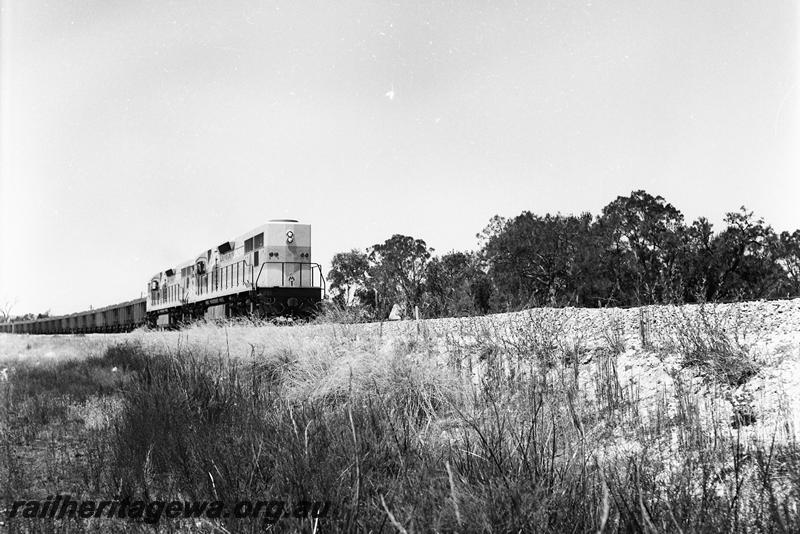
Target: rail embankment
(658, 418)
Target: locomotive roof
(239, 239)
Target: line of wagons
(122, 317)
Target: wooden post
(644, 330)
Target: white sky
(136, 133)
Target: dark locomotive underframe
(264, 302)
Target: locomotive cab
(288, 255)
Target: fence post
(644, 329)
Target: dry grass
(546, 421)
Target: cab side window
(248, 245)
(258, 241)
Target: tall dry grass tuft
(716, 340)
(613, 334)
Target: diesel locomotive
(266, 272)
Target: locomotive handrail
(283, 275)
(324, 283)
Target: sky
(134, 134)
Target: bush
(713, 340)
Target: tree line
(637, 251)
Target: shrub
(713, 340)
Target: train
(265, 272)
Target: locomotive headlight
(289, 236)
